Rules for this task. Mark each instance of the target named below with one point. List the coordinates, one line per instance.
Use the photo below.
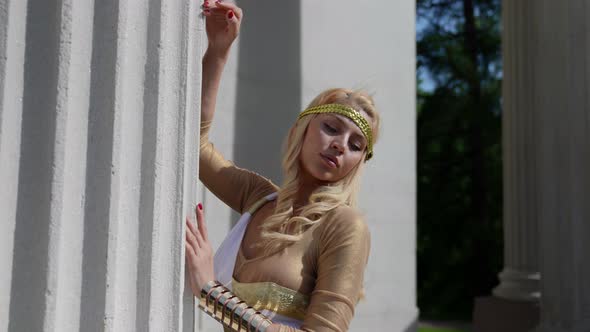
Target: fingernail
(230, 15)
(200, 206)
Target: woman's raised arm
(236, 187)
(222, 25)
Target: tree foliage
(459, 154)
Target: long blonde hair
(323, 199)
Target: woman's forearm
(213, 63)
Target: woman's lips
(330, 161)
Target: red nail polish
(230, 15)
(200, 206)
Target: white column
(562, 64)
(98, 132)
(514, 306)
(12, 49)
(520, 278)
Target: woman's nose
(337, 145)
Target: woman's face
(333, 145)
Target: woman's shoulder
(346, 215)
(345, 221)
(344, 236)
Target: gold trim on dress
(271, 296)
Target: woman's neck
(302, 197)
(308, 184)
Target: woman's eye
(355, 147)
(329, 128)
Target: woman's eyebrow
(361, 136)
(333, 116)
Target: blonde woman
(296, 258)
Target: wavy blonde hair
(283, 228)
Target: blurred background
(459, 151)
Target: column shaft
(562, 89)
(98, 134)
(520, 278)
(514, 306)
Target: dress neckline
(255, 208)
(248, 260)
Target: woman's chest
(252, 237)
(293, 267)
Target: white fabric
(225, 257)
(225, 260)
(226, 254)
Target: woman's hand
(199, 255)
(222, 25)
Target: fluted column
(12, 48)
(514, 306)
(562, 100)
(519, 279)
(98, 130)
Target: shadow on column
(99, 171)
(148, 167)
(269, 84)
(31, 238)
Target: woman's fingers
(233, 15)
(216, 11)
(196, 233)
(191, 235)
(230, 6)
(201, 222)
(233, 24)
(190, 251)
(223, 9)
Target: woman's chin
(318, 178)
(325, 178)
(318, 174)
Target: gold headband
(350, 113)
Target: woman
(298, 253)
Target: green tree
(459, 154)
